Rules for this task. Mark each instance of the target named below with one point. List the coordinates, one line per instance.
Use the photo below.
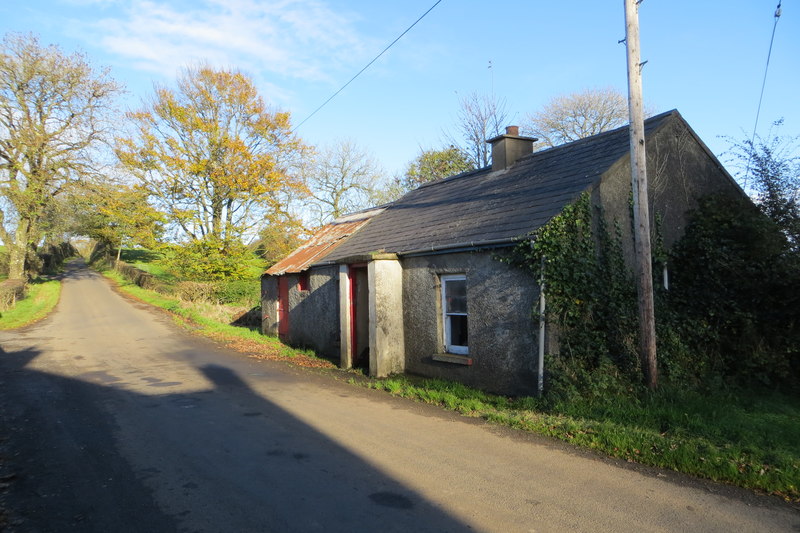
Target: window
(454, 313)
(302, 281)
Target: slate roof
(485, 207)
(324, 241)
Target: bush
(3, 262)
(208, 260)
(11, 290)
(245, 292)
(735, 294)
(195, 291)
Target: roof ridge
(450, 178)
(597, 136)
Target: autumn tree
(276, 241)
(480, 117)
(53, 115)
(432, 165)
(577, 115)
(116, 214)
(341, 179)
(213, 157)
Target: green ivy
(735, 295)
(731, 315)
(590, 298)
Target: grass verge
(749, 440)
(249, 341)
(42, 298)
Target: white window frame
(451, 348)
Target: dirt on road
(114, 419)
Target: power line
(763, 84)
(366, 67)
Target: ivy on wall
(591, 305)
(732, 312)
(736, 296)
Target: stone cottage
(416, 286)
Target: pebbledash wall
(500, 300)
(313, 313)
(502, 335)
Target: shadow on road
(97, 457)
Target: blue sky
(705, 58)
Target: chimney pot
(512, 130)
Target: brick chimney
(506, 149)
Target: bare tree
(341, 179)
(53, 111)
(480, 117)
(577, 115)
(772, 164)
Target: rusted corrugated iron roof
(322, 243)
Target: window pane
(458, 330)
(456, 294)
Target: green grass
(750, 440)
(42, 298)
(149, 261)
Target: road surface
(115, 420)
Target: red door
(283, 307)
(359, 316)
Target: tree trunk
(18, 250)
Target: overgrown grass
(42, 298)
(751, 440)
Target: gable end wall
(680, 170)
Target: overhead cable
(763, 84)
(366, 67)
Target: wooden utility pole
(641, 214)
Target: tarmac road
(116, 420)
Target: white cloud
(295, 39)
